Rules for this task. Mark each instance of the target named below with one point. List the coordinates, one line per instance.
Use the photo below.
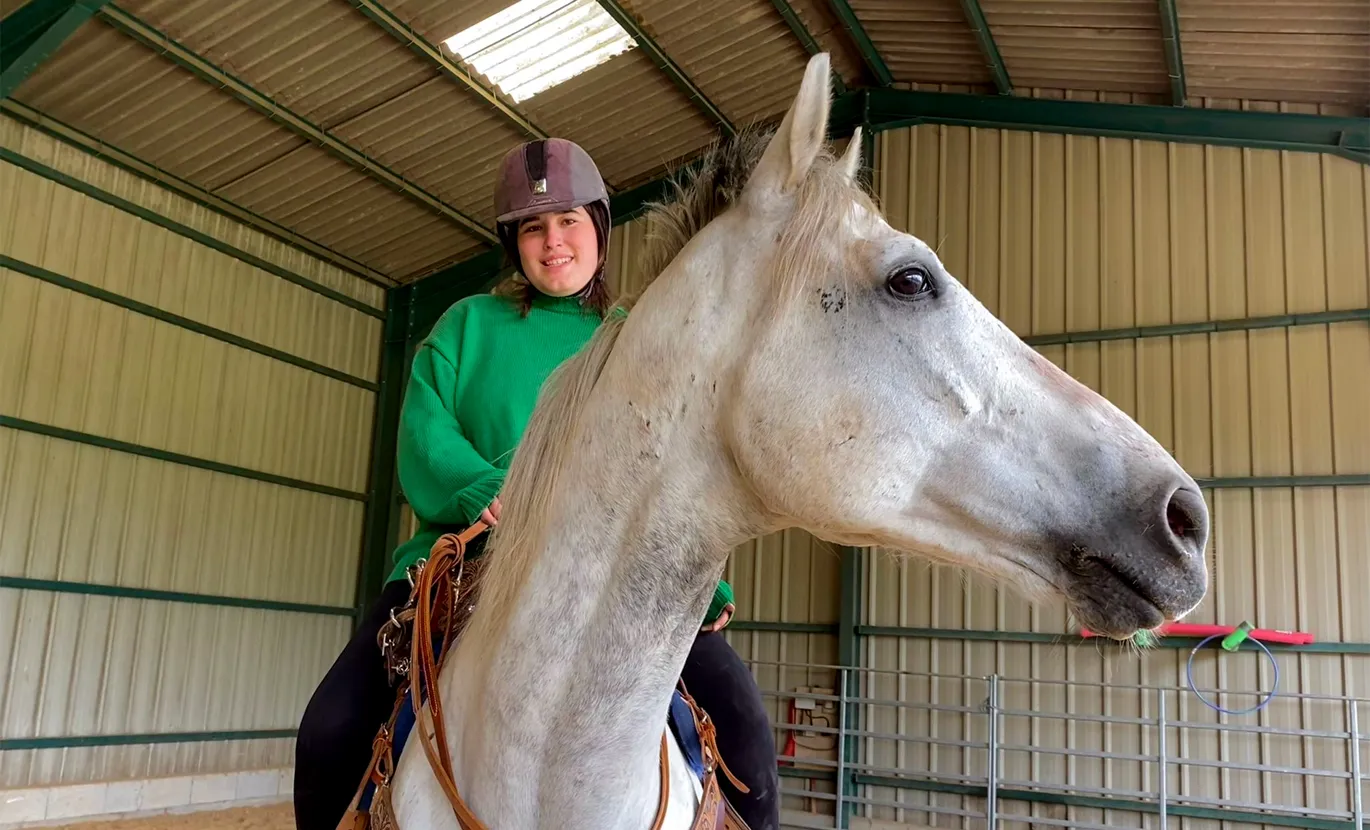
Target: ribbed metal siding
(80, 165)
(115, 88)
(1059, 233)
(929, 42)
(626, 114)
(77, 665)
(1095, 44)
(1292, 50)
(740, 52)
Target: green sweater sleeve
(445, 480)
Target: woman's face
(559, 251)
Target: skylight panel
(534, 45)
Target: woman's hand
(490, 515)
(723, 617)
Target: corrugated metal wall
(1069, 233)
(79, 508)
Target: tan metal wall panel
(133, 98)
(723, 45)
(1097, 44)
(452, 142)
(320, 196)
(80, 513)
(333, 65)
(832, 37)
(323, 59)
(97, 665)
(74, 362)
(86, 665)
(626, 114)
(84, 167)
(112, 86)
(928, 42)
(1316, 51)
(1073, 233)
(48, 225)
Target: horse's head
(874, 401)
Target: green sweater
(471, 391)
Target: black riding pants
(355, 698)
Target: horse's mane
(703, 190)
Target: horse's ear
(851, 159)
(801, 135)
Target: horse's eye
(910, 283)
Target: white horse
(797, 362)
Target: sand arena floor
(274, 817)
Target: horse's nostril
(1186, 515)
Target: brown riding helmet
(545, 176)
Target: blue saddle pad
(683, 726)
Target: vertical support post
(380, 525)
(840, 812)
(992, 758)
(1357, 800)
(849, 657)
(1174, 58)
(1161, 783)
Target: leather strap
(378, 769)
(448, 552)
(665, 797)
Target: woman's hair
(517, 287)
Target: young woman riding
(472, 388)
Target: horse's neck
(561, 698)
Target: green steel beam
(1347, 137)
(663, 62)
(53, 278)
(1174, 59)
(61, 433)
(152, 173)
(1318, 318)
(58, 586)
(143, 739)
(863, 41)
(51, 174)
(164, 45)
(33, 32)
(849, 654)
(806, 39)
(406, 34)
(380, 524)
(975, 18)
(782, 627)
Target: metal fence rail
(972, 792)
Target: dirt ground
(274, 817)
